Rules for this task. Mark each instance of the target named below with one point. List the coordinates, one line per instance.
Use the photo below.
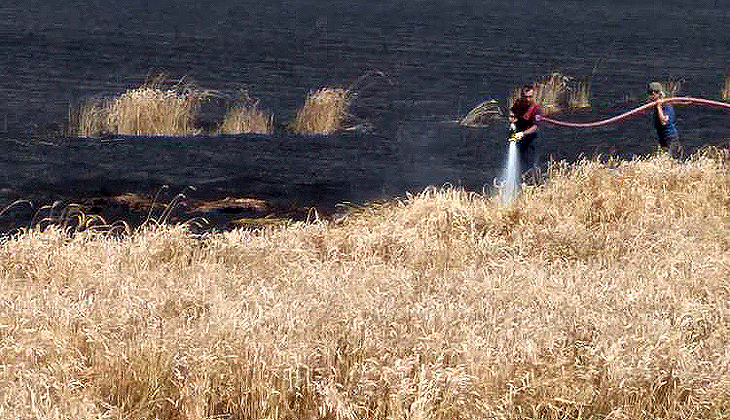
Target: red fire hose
(634, 111)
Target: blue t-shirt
(666, 132)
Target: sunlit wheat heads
(603, 293)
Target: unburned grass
(92, 118)
(672, 87)
(148, 111)
(603, 294)
(323, 112)
(326, 111)
(549, 92)
(579, 95)
(245, 116)
(483, 114)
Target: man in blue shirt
(664, 121)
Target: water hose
(634, 111)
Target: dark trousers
(527, 157)
(672, 146)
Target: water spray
(509, 187)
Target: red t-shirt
(527, 114)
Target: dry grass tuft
(323, 112)
(245, 116)
(672, 87)
(147, 111)
(579, 95)
(485, 113)
(604, 294)
(92, 118)
(549, 92)
(725, 91)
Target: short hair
(527, 87)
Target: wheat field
(603, 295)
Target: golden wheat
(725, 91)
(323, 112)
(602, 295)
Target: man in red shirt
(525, 114)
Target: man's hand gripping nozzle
(516, 137)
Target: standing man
(664, 121)
(525, 114)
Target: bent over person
(525, 114)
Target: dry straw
(245, 116)
(579, 95)
(602, 295)
(326, 111)
(92, 118)
(147, 111)
(483, 114)
(672, 87)
(725, 91)
(323, 112)
(549, 92)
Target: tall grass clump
(603, 294)
(725, 90)
(323, 112)
(482, 114)
(147, 111)
(245, 116)
(92, 118)
(549, 92)
(579, 95)
(326, 111)
(673, 87)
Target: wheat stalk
(602, 295)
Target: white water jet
(510, 180)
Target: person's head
(655, 91)
(528, 92)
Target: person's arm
(533, 128)
(520, 134)
(663, 117)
